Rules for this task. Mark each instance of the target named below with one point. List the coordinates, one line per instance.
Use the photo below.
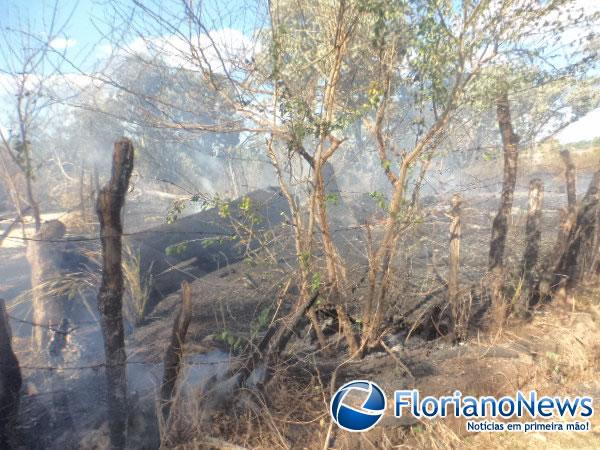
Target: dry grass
(138, 285)
(555, 353)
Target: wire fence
(480, 193)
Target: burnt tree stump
(111, 200)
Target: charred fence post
(533, 235)
(10, 381)
(111, 199)
(174, 353)
(458, 313)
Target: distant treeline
(584, 145)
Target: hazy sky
(585, 128)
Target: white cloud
(221, 49)
(104, 50)
(584, 129)
(61, 43)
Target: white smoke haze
(220, 122)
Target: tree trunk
(28, 171)
(511, 152)
(44, 254)
(174, 354)
(335, 268)
(111, 200)
(232, 177)
(82, 193)
(10, 381)
(14, 194)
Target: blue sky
(87, 20)
(80, 15)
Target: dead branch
(18, 218)
(275, 340)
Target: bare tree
(29, 67)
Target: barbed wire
(53, 328)
(98, 366)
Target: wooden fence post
(568, 222)
(570, 175)
(533, 234)
(174, 353)
(110, 296)
(458, 315)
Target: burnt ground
(230, 307)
